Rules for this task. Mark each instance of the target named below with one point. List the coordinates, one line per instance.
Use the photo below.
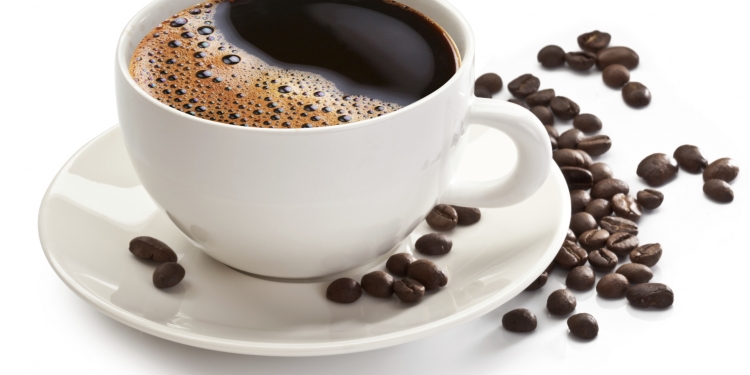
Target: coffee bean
(578, 200)
(594, 41)
(581, 278)
(650, 295)
(650, 198)
(690, 159)
(612, 285)
(723, 169)
(569, 158)
(344, 290)
(523, 86)
(600, 171)
(636, 273)
(434, 244)
(519, 320)
(586, 157)
(582, 222)
(491, 81)
(580, 61)
(626, 206)
(657, 169)
(168, 274)
(467, 215)
(150, 248)
(595, 145)
(636, 94)
(570, 255)
(399, 263)
(608, 188)
(378, 284)
(599, 208)
(647, 255)
(539, 282)
(569, 139)
(617, 55)
(616, 75)
(427, 273)
(564, 108)
(443, 217)
(550, 267)
(543, 114)
(577, 178)
(583, 326)
(552, 132)
(482, 92)
(587, 122)
(614, 224)
(561, 302)
(518, 102)
(551, 56)
(408, 290)
(603, 260)
(718, 190)
(541, 97)
(593, 239)
(570, 236)
(622, 243)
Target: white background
(57, 93)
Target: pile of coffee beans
(169, 273)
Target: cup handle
(532, 166)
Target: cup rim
(466, 59)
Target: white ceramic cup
(303, 203)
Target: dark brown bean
(606, 189)
(482, 92)
(434, 244)
(443, 217)
(614, 224)
(593, 239)
(427, 273)
(541, 97)
(617, 55)
(523, 86)
(650, 198)
(150, 248)
(551, 56)
(583, 326)
(519, 320)
(657, 169)
(564, 108)
(408, 290)
(601, 171)
(569, 139)
(594, 41)
(491, 81)
(622, 243)
(580, 61)
(561, 302)
(724, 169)
(636, 273)
(626, 206)
(467, 215)
(577, 178)
(616, 75)
(399, 263)
(586, 157)
(543, 114)
(518, 103)
(581, 278)
(603, 260)
(587, 123)
(595, 145)
(570, 255)
(578, 200)
(689, 157)
(636, 94)
(550, 267)
(168, 274)
(612, 285)
(582, 222)
(718, 190)
(538, 282)
(378, 284)
(570, 236)
(599, 208)
(647, 255)
(552, 132)
(344, 290)
(650, 295)
(570, 158)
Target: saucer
(96, 205)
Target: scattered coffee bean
(614, 224)
(636, 94)
(467, 215)
(690, 159)
(622, 243)
(524, 86)
(601, 171)
(551, 56)
(427, 273)
(612, 285)
(650, 198)
(378, 284)
(168, 274)
(593, 239)
(344, 290)
(595, 145)
(723, 169)
(541, 97)
(647, 255)
(580, 61)
(650, 295)
(586, 157)
(443, 217)
(603, 260)
(570, 236)
(571, 256)
(399, 263)
(636, 273)
(718, 190)
(583, 326)
(578, 200)
(433, 244)
(577, 178)
(599, 208)
(518, 102)
(617, 55)
(552, 132)
(539, 282)
(657, 169)
(519, 320)
(587, 123)
(581, 278)
(491, 81)
(582, 222)
(569, 139)
(408, 290)
(569, 158)
(594, 41)
(626, 206)
(561, 302)
(150, 248)
(550, 267)
(616, 75)
(564, 108)
(482, 92)
(608, 188)
(543, 114)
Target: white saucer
(96, 205)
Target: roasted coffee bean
(570, 236)
(583, 326)
(689, 157)
(551, 56)
(378, 284)
(594, 41)
(616, 76)
(427, 273)
(600, 171)
(408, 290)
(617, 55)
(723, 169)
(491, 81)
(344, 290)
(626, 206)
(636, 273)
(614, 224)
(657, 169)
(577, 178)
(519, 320)
(595, 145)
(647, 255)
(467, 215)
(561, 302)
(612, 285)
(539, 282)
(541, 97)
(564, 108)
(553, 142)
(650, 198)
(650, 295)
(543, 114)
(569, 139)
(622, 243)
(570, 255)
(603, 260)
(443, 217)
(434, 244)
(599, 208)
(578, 200)
(580, 278)
(482, 92)
(718, 190)
(586, 157)
(569, 158)
(580, 61)
(150, 248)
(593, 239)
(552, 132)
(524, 86)
(606, 189)
(587, 123)
(168, 274)
(582, 222)
(636, 94)
(518, 102)
(399, 263)
(550, 267)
